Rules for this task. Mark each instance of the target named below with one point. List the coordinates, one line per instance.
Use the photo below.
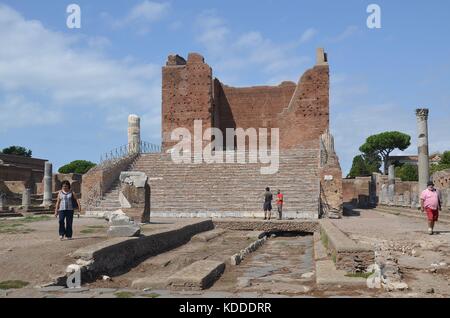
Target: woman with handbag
(66, 203)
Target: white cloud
(18, 112)
(347, 33)
(142, 15)
(232, 53)
(39, 64)
(98, 42)
(308, 35)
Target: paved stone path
(422, 260)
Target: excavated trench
(282, 265)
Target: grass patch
(95, 226)
(152, 295)
(123, 294)
(360, 275)
(90, 229)
(38, 218)
(13, 284)
(13, 228)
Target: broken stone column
(48, 179)
(134, 195)
(3, 206)
(321, 57)
(26, 199)
(423, 152)
(391, 184)
(134, 134)
(122, 226)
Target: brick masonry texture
(189, 93)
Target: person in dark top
(268, 197)
(66, 203)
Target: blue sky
(66, 93)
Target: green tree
(407, 172)
(364, 166)
(383, 144)
(443, 165)
(445, 160)
(77, 166)
(17, 151)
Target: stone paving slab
(197, 276)
(320, 251)
(207, 236)
(327, 274)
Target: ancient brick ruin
(300, 111)
(309, 173)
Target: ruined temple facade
(308, 174)
(190, 92)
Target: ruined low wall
(330, 176)
(356, 192)
(347, 254)
(264, 226)
(402, 194)
(115, 256)
(100, 179)
(441, 180)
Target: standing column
(422, 142)
(391, 183)
(134, 134)
(2, 201)
(26, 199)
(48, 178)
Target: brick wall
(441, 180)
(100, 179)
(186, 95)
(301, 111)
(357, 191)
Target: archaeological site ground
(184, 216)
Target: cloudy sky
(66, 93)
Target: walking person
(280, 202)
(430, 203)
(268, 197)
(66, 203)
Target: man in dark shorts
(268, 197)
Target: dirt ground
(31, 250)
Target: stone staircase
(226, 190)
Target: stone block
(134, 178)
(135, 193)
(118, 219)
(129, 230)
(198, 276)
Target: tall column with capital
(423, 152)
